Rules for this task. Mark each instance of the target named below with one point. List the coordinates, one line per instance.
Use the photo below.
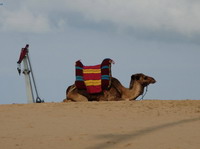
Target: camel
(116, 92)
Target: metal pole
(38, 100)
(24, 56)
(29, 90)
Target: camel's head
(142, 79)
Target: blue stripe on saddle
(79, 78)
(105, 67)
(105, 77)
(79, 68)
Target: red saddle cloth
(95, 78)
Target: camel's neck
(128, 93)
(132, 93)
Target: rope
(144, 93)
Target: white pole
(38, 100)
(29, 90)
(28, 73)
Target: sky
(159, 38)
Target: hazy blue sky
(160, 38)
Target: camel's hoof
(65, 100)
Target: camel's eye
(145, 78)
(137, 77)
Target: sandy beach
(147, 124)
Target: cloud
(177, 16)
(23, 21)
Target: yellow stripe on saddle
(92, 82)
(91, 70)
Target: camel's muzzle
(153, 81)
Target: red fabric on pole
(23, 53)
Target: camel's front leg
(74, 96)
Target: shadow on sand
(116, 139)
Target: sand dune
(147, 124)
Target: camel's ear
(135, 77)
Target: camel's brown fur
(116, 91)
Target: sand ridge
(152, 124)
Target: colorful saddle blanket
(94, 79)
